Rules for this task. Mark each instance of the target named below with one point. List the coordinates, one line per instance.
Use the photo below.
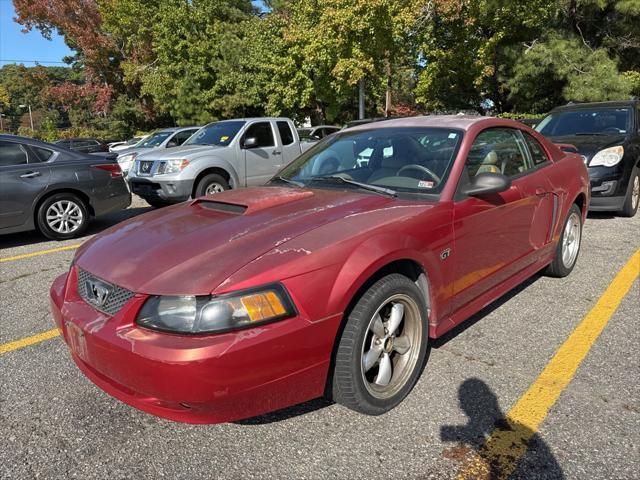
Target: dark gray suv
(55, 190)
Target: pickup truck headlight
(609, 157)
(173, 166)
(129, 157)
(211, 314)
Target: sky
(18, 47)
(26, 48)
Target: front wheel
(569, 245)
(382, 348)
(211, 184)
(630, 206)
(62, 216)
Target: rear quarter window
(538, 154)
(285, 133)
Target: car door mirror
(486, 183)
(250, 142)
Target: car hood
(589, 145)
(184, 151)
(191, 248)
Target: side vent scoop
(220, 206)
(248, 201)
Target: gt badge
(445, 254)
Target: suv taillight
(113, 168)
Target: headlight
(208, 314)
(130, 157)
(173, 166)
(608, 157)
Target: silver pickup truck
(221, 155)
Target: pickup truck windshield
(597, 121)
(219, 133)
(398, 159)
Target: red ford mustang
(328, 281)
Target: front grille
(115, 299)
(145, 167)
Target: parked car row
(174, 164)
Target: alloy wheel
(213, 188)
(64, 216)
(571, 240)
(391, 346)
(635, 193)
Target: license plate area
(77, 341)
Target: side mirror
(487, 183)
(250, 142)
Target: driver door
(263, 159)
(492, 231)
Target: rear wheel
(382, 348)
(569, 245)
(630, 206)
(62, 216)
(211, 184)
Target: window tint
(262, 133)
(330, 130)
(497, 150)
(40, 154)
(181, 137)
(538, 154)
(285, 133)
(611, 121)
(12, 154)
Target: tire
(155, 203)
(631, 201)
(211, 184)
(360, 387)
(567, 251)
(62, 216)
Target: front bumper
(194, 379)
(157, 189)
(608, 187)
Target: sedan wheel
(62, 216)
(568, 246)
(382, 348)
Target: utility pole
(361, 98)
(30, 115)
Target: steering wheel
(612, 130)
(419, 168)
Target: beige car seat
(489, 163)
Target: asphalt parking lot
(56, 424)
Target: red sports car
(331, 280)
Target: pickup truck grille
(145, 167)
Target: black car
(85, 145)
(607, 135)
(55, 190)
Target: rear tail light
(113, 168)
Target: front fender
(205, 162)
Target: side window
(538, 154)
(39, 154)
(12, 154)
(262, 133)
(497, 150)
(181, 137)
(285, 133)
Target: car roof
(176, 129)
(591, 105)
(461, 122)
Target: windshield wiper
(287, 180)
(365, 186)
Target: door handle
(30, 175)
(541, 192)
(276, 152)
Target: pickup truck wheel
(211, 184)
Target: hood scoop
(248, 201)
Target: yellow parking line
(25, 342)
(500, 454)
(38, 253)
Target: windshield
(304, 132)
(219, 133)
(402, 159)
(597, 121)
(154, 140)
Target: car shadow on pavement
(601, 216)
(96, 225)
(499, 457)
(288, 412)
